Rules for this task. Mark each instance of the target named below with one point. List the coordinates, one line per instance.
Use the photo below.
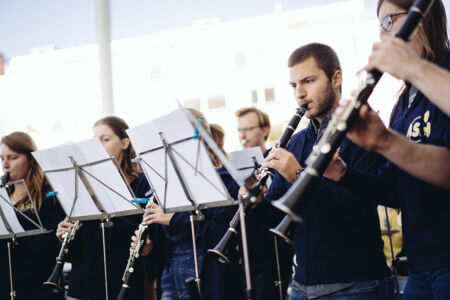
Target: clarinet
(229, 240)
(292, 202)
(4, 179)
(134, 255)
(53, 283)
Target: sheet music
(244, 161)
(63, 181)
(9, 213)
(205, 185)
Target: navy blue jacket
(34, 256)
(425, 207)
(260, 241)
(222, 281)
(86, 254)
(339, 240)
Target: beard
(325, 106)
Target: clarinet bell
(293, 201)
(53, 283)
(282, 230)
(222, 249)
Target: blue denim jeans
(180, 266)
(382, 289)
(428, 285)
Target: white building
(212, 65)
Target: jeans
(428, 285)
(382, 289)
(180, 266)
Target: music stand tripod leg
(10, 246)
(248, 281)
(104, 257)
(279, 282)
(194, 247)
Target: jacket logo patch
(419, 128)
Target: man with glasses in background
(253, 128)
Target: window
(254, 95)
(192, 103)
(269, 94)
(216, 102)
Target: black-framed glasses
(388, 22)
(247, 129)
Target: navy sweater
(425, 207)
(34, 256)
(86, 254)
(339, 240)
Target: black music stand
(79, 189)
(10, 227)
(179, 169)
(246, 182)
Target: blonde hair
(216, 132)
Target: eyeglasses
(247, 129)
(388, 22)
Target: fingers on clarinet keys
(64, 228)
(134, 240)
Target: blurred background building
(215, 65)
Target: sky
(26, 24)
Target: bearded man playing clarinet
(338, 246)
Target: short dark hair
(434, 29)
(325, 57)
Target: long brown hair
(215, 134)
(22, 143)
(433, 31)
(218, 135)
(119, 127)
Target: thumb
(364, 111)
(336, 155)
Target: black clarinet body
(4, 180)
(291, 127)
(54, 282)
(229, 241)
(292, 202)
(135, 254)
(283, 230)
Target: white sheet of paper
(145, 137)
(63, 182)
(205, 185)
(10, 215)
(243, 161)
